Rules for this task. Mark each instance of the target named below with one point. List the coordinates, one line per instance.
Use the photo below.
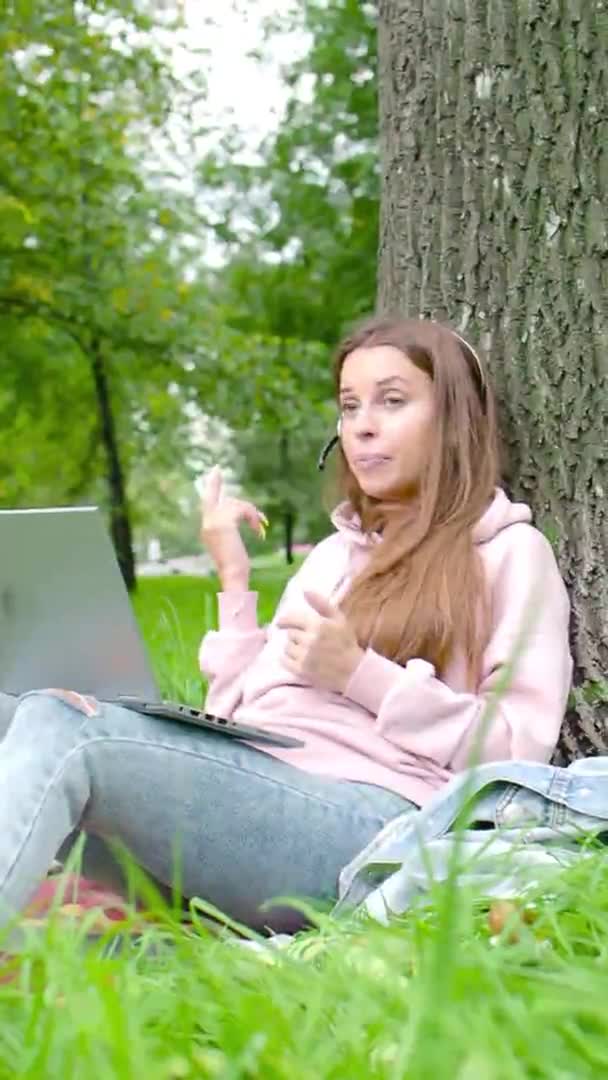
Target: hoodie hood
(500, 514)
(346, 521)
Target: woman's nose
(366, 423)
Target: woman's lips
(370, 461)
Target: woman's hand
(221, 518)
(321, 646)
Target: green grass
(174, 613)
(436, 995)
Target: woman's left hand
(321, 646)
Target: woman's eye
(348, 406)
(392, 400)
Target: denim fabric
(242, 827)
(250, 827)
(522, 820)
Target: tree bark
(120, 524)
(494, 144)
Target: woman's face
(387, 411)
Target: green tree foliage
(95, 311)
(116, 337)
(300, 230)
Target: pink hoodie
(402, 728)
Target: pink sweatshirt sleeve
(225, 654)
(423, 716)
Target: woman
(385, 650)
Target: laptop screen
(65, 615)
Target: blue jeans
(244, 827)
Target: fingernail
(265, 520)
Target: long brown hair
(422, 593)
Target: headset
(470, 355)
(327, 449)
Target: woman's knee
(50, 714)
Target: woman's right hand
(221, 518)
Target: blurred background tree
(121, 338)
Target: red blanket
(76, 895)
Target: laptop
(66, 619)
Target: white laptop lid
(65, 615)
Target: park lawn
(175, 611)
(439, 994)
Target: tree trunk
(86, 471)
(288, 524)
(120, 525)
(494, 142)
(289, 518)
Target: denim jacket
(521, 821)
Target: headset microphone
(329, 446)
